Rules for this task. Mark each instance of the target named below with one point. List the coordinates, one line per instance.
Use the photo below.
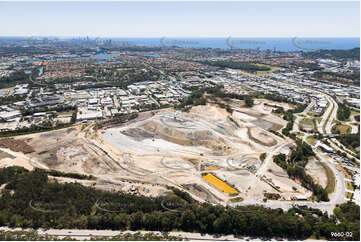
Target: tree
(188, 220)
(262, 157)
(223, 224)
(121, 221)
(136, 220)
(249, 101)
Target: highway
(83, 234)
(334, 142)
(338, 196)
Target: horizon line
(147, 37)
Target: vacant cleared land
(307, 124)
(311, 140)
(342, 129)
(272, 69)
(172, 148)
(16, 145)
(331, 180)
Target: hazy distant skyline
(180, 19)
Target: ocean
(278, 44)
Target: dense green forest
(353, 54)
(295, 170)
(59, 108)
(32, 199)
(351, 141)
(17, 77)
(289, 116)
(197, 97)
(335, 76)
(45, 126)
(343, 112)
(21, 51)
(11, 99)
(249, 67)
(70, 175)
(295, 164)
(299, 156)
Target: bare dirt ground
(16, 145)
(178, 147)
(168, 147)
(261, 113)
(317, 172)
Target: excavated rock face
(181, 136)
(261, 137)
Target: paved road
(296, 123)
(308, 108)
(82, 234)
(333, 143)
(325, 115)
(332, 116)
(338, 196)
(328, 128)
(354, 127)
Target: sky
(180, 19)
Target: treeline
(246, 66)
(59, 108)
(70, 175)
(12, 99)
(348, 216)
(295, 167)
(30, 200)
(333, 54)
(350, 140)
(337, 75)
(289, 116)
(302, 152)
(216, 91)
(24, 51)
(343, 112)
(194, 99)
(119, 79)
(100, 85)
(46, 126)
(197, 97)
(16, 77)
(276, 98)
